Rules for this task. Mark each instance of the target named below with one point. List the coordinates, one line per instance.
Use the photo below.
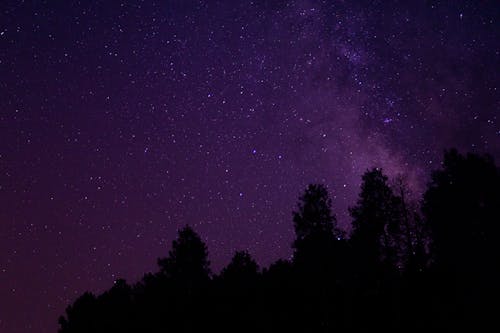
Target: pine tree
(315, 225)
(375, 219)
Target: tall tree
(375, 218)
(315, 225)
(462, 209)
(374, 243)
(318, 258)
(185, 277)
(410, 234)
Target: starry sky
(121, 122)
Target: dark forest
(406, 265)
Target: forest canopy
(406, 265)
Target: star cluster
(120, 122)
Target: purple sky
(121, 122)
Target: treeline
(406, 266)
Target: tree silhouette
(462, 206)
(187, 261)
(241, 269)
(314, 214)
(462, 209)
(82, 316)
(117, 308)
(236, 294)
(184, 279)
(318, 261)
(410, 235)
(379, 279)
(315, 225)
(375, 220)
(374, 240)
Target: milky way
(121, 122)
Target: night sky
(121, 122)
